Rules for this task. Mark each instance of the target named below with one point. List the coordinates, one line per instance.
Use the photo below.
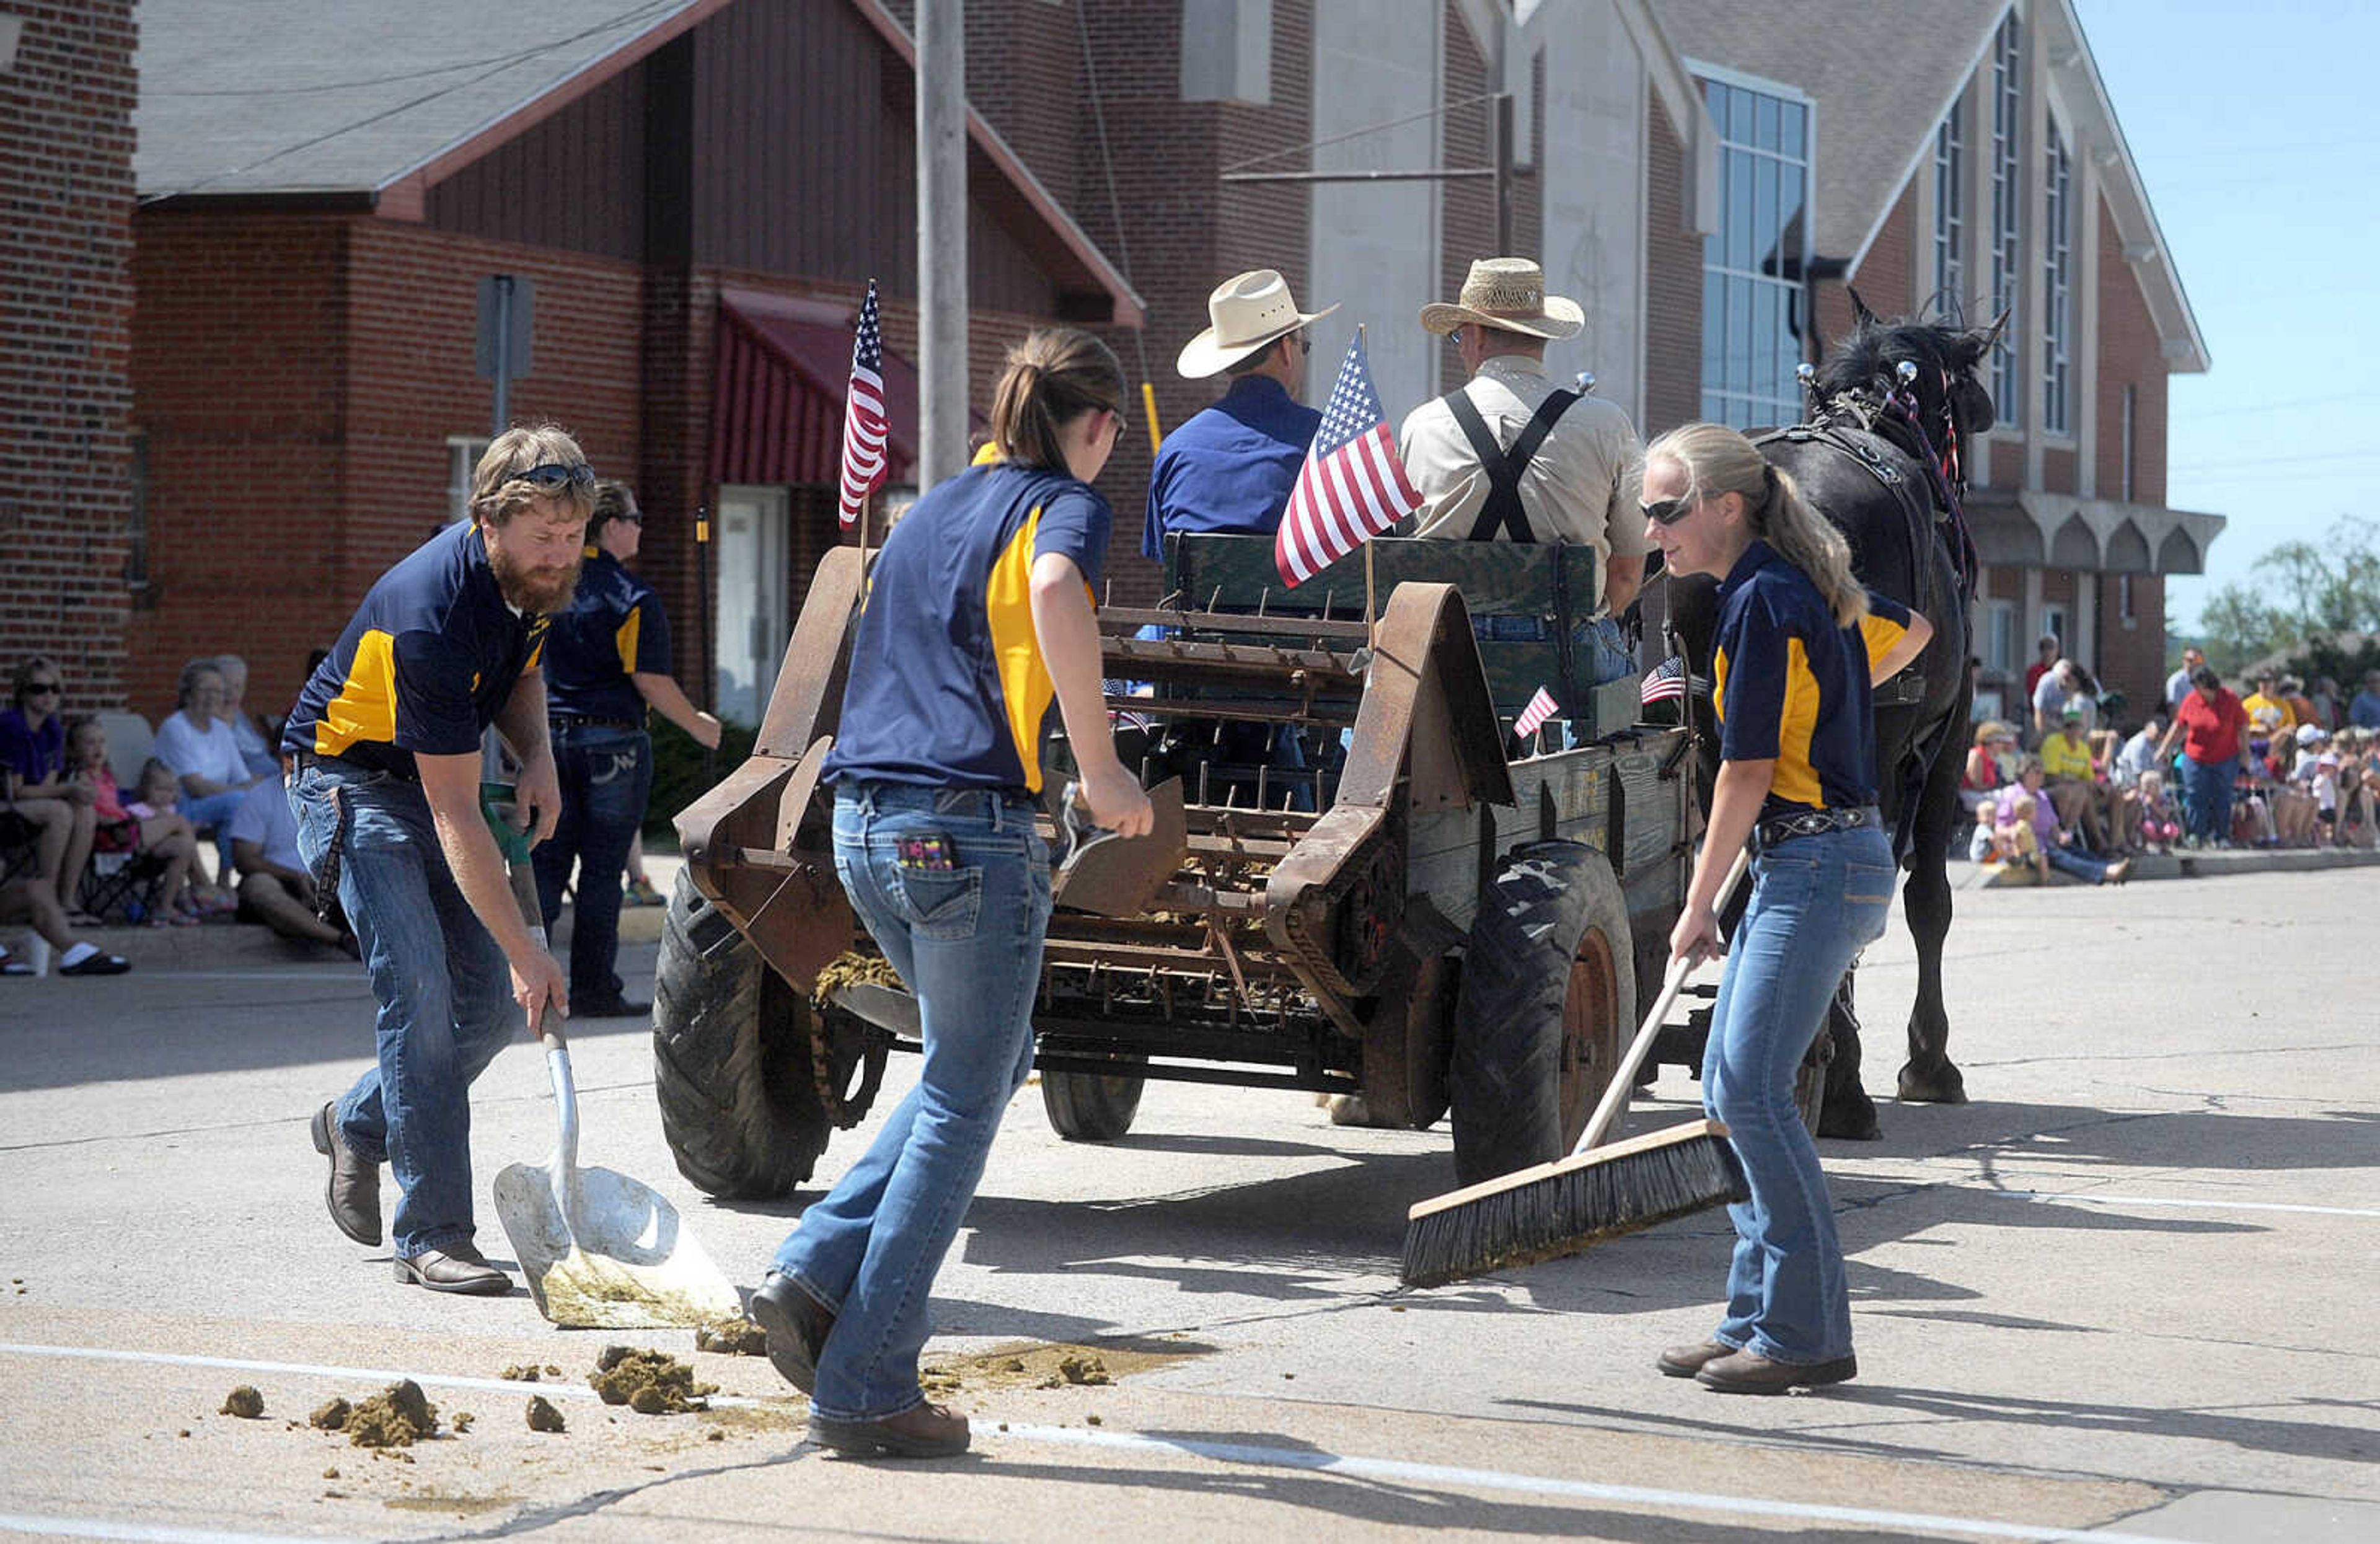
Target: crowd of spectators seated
(213, 779)
(2282, 767)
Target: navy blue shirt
(948, 688)
(1230, 467)
(615, 626)
(1792, 688)
(425, 665)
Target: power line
(2276, 406)
(2255, 461)
(1355, 133)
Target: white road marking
(148, 1533)
(1225, 1452)
(1540, 1485)
(2049, 1198)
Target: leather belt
(302, 759)
(1766, 834)
(580, 720)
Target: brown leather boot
(353, 1191)
(797, 1326)
(923, 1431)
(1684, 1361)
(457, 1268)
(1747, 1372)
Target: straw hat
(1248, 311)
(1508, 293)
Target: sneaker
(640, 892)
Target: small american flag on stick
(1353, 486)
(1665, 680)
(1533, 717)
(865, 427)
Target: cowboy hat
(1508, 293)
(1247, 312)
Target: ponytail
(1718, 460)
(1053, 377)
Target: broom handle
(1673, 981)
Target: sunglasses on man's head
(553, 477)
(1669, 512)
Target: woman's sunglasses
(553, 477)
(1669, 512)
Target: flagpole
(1371, 626)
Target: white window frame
(2132, 406)
(1750, 405)
(1950, 208)
(2008, 218)
(2000, 632)
(462, 453)
(2058, 285)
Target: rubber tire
(1553, 912)
(731, 1059)
(1090, 1107)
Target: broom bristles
(1560, 1209)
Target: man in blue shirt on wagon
(1230, 467)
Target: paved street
(2125, 1290)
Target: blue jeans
(444, 990)
(2074, 862)
(216, 812)
(968, 941)
(607, 774)
(1816, 901)
(1608, 657)
(2206, 797)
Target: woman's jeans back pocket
(937, 903)
(1867, 899)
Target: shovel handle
(523, 879)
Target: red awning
(776, 409)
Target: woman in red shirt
(2214, 726)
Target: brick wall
(2133, 659)
(297, 377)
(66, 395)
(1673, 283)
(1885, 278)
(2130, 355)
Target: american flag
(1352, 487)
(1533, 717)
(1665, 680)
(863, 423)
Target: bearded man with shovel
(383, 751)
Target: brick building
(693, 217)
(698, 217)
(67, 467)
(1964, 159)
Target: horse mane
(1861, 366)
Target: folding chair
(122, 886)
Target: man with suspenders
(1507, 457)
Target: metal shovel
(1106, 874)
(600, 1250)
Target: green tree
(2298, 591)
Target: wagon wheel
(1408, 1039)
(1092, 1106)
(1549, 993)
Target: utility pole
(941, 240)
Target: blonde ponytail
(1719, 461)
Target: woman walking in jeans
(978, 611)
(1798, 647)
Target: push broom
(1597, 1191)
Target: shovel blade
(1120, 876)
(622, 1260)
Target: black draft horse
(1891, 412)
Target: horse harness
(1867, 450)
(1502, 511)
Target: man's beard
(534, 591)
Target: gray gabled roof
(1882, 76)
(339, 96)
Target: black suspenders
(1502, 510)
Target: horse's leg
(1929, 1076)
(1846, 1111)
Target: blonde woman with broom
(1798, 647)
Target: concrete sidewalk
(2177, 866)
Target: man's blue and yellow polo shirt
(425, 665)
(1792, 688)
(948, 688)
(614, 627)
